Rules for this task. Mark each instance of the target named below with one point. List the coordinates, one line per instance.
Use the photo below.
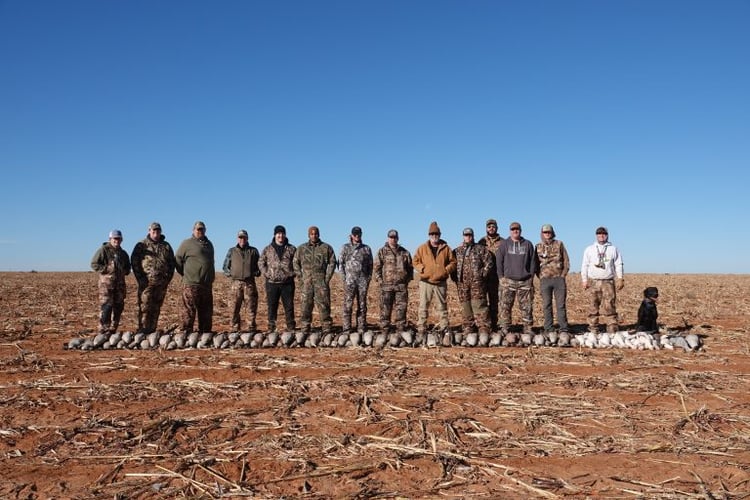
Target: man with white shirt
(601, 270)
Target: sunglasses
(546, 232)
(434, 234)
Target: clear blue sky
(630, 114)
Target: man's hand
(585, 285)
(620, 283)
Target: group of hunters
(490, 275)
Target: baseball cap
(242, 233)
(392, 233)
(357, 231)
(468, 231)
(115, 233)
(279, 229)
(154, 225)
(199, 225)
(515, 225)
(491, 222)
(601, 230)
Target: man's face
(279, 238)
(115, 242)
(602, 237)
(491, 229)
(468, 239)
(199, 232)
(356, 238)
(314, 235)
(434, 239)
(515, 233)
(393, 241)
(154, 234)
(546, 236)
(241, 241)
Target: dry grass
(367, 423)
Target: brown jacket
(434, 268)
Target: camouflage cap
(154, 226)
(468, 231)
(242, 233)
(199, 225)
(491, 222)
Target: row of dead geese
(168, 340)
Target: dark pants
(558, 288)
(285, 293)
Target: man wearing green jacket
(195, 263)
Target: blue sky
(630, 114)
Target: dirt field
(368, 423)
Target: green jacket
(314, 261)
(111, 262)
(194, 261)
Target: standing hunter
(113, 264)
(241, 265)
(393, 270)
(153, 267)
(473, 264)
(492, 241)
(554, 265)
(277, 266)
(314, 265)
(195, 263)
(355, 262)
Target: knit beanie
(279, 229)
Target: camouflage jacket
(355, 262)
(492, 244)
(474, 263)
(278, 266)
(553, 259)
(315, 260)
(113, 264)
(241, 263)
(153, 261)
(393, 266)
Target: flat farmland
(535, 422)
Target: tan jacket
(434, 268)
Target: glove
(620, 283)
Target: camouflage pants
(356, 289)
(151, 297)
(427, 293)
(474, 310)
(242, 290)
(197, 300)
(393, 300)
(316, 291)
(493, 299)
(111, 302)
(524, 290)
(602, 294)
